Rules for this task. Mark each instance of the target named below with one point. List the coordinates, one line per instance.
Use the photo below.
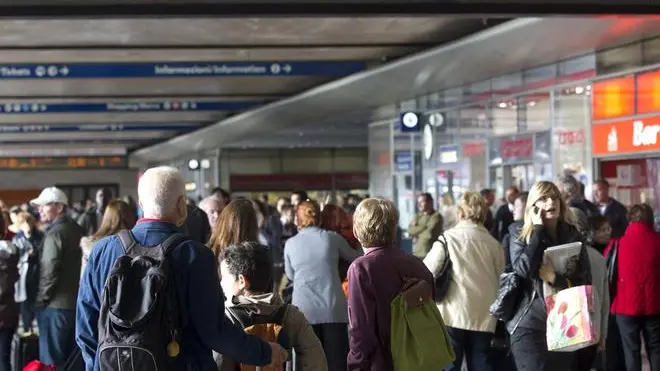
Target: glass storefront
(512, 130)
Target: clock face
(410, 119)
(427, 137)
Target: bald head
(212, 206)
(162, 194)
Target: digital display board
(58, 163)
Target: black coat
(8, 277)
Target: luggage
(24, 349)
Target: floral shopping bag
(571, 321)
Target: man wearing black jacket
(610, 208)
(504, 214)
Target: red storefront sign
(571, 137)
(517, 148)
(474, 149)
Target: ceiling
(506, 48)
(92, 86)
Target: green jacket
(59, 265)
(425, 229)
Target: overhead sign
(52, 163)
(177, 69)
(64, 128)
(613, 98)
(146, 106)
(628, 136)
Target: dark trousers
(6, 336)
(27, 315)
(334, 339)
(530, 351)
(630, 329)
(474, 345)
(614, 358)
(585, 358)
(56, 335)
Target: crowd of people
(325, 273)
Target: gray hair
(159, 191)
(570, 187)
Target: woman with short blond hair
(373, 281)
(477, 262)
(311, 260)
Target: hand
(547, 271)
(278, 355)
(537, 217)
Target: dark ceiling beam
(60, 97)
(330, 8)
(223, 47)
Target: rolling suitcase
(23, 350)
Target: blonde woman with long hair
(547, 222)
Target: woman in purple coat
(374, 279)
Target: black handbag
(444, 276)
(504, 306)
(611, 265)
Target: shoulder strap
(127, 240)
(443, 242)
(172, 242)
(279, 315)
(237, 316)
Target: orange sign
(613, 98)
(629, 136)
(648, 92)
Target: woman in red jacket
(637, 301)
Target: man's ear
(243, 282)
(182, 210)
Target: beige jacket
(307, 347)
(477, 262)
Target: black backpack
(443, 278)
(139, 317)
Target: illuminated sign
(613, 98)
(54, 163)
(629, 136)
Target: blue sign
(177, 69)
(403, 161)
(63, 128)
(136, 106)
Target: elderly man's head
(570, 188)
(212, 206)
(162, 195)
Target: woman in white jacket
(477, 262)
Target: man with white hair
(212, 206)
(59, 275)
(201, 309)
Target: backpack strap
(172, 242)
(127, 240)
(242, 316)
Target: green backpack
(419, 338)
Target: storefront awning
(510, 47)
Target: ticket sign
(613, 98)
(54, 163)
(626, 137)
(648, 92)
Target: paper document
(564, 259)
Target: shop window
(449, 129)
(571, 134)
(475, 122)
(507, 85)
(505, 117)
(651, 51)
(409, 105)
(540, 77)
(535, 109)
(578, 68)
(435, 100)
(480, 91)
(619, 59)
(453, 96)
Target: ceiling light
(531, 103)
(502, 105)
(579, 90)
(588, 87)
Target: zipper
(153, 359)
(529, 306)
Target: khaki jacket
(477, 262)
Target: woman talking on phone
(547, 222)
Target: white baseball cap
(51, 195)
